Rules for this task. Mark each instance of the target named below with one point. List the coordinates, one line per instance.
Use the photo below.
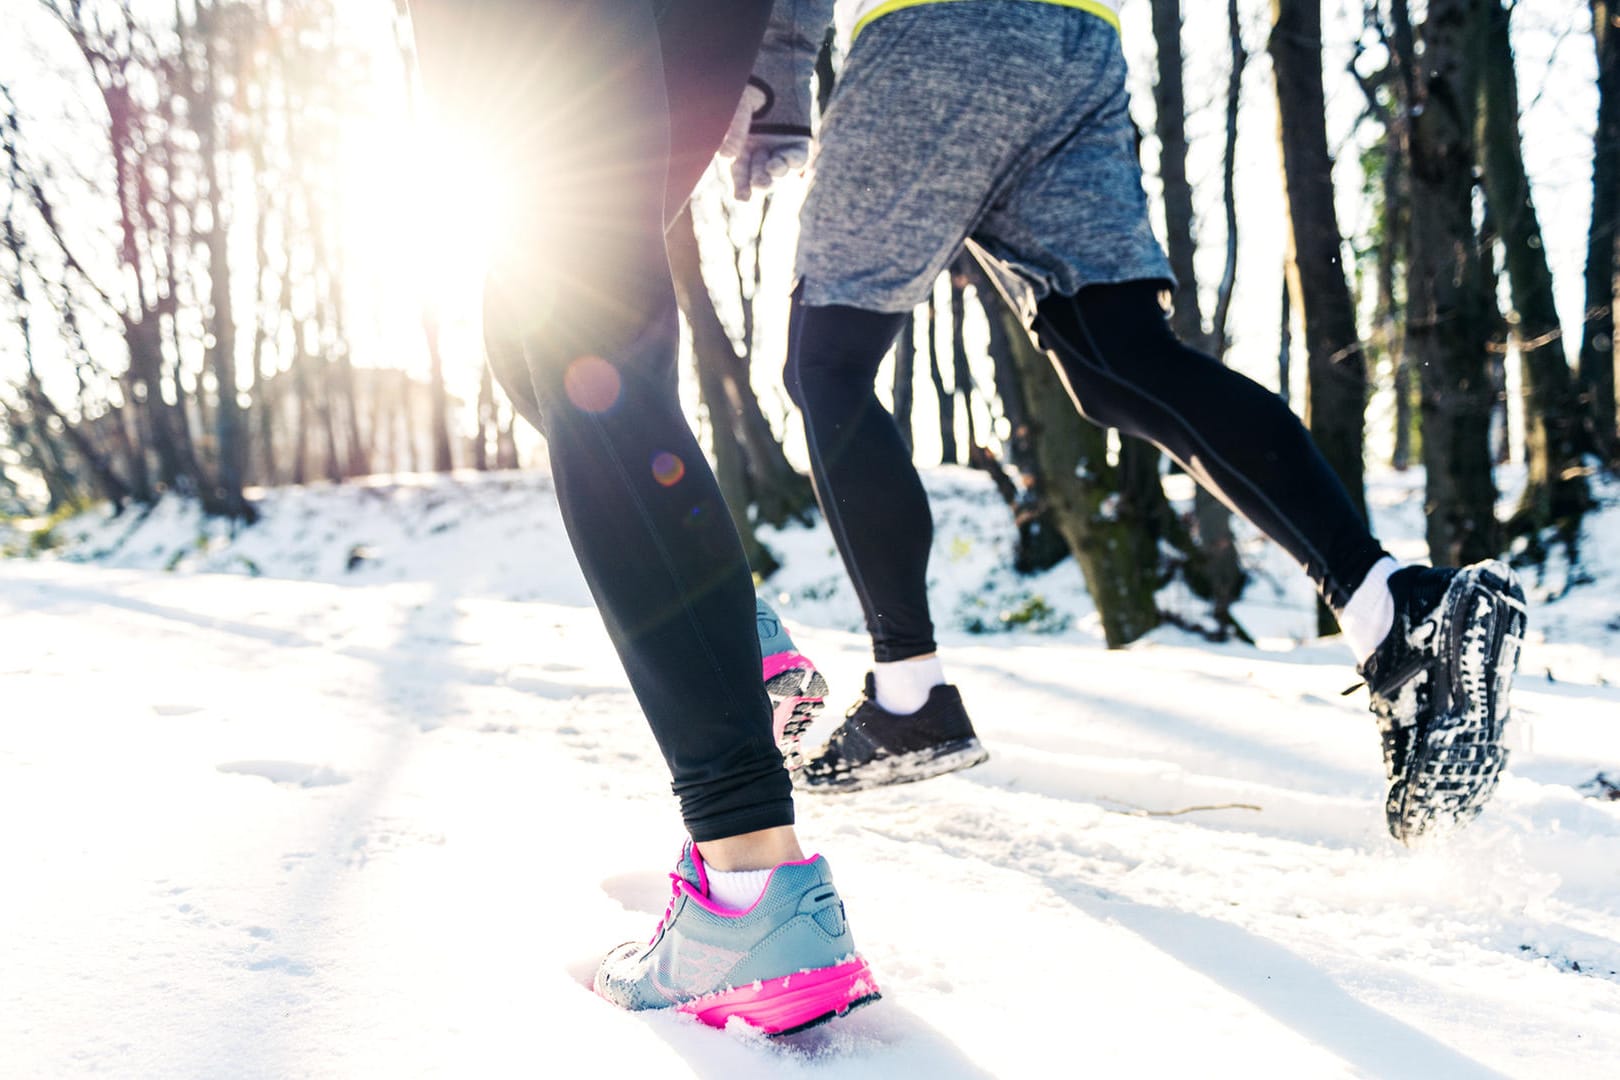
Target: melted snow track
(273, 828)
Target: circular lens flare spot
(667, 469)
(592, 384)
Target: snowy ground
(382, 821)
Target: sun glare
(459, 201)
(423, 210)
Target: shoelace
(669, 909)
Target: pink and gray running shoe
(798, 692)
(786, 964)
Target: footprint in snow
(289, 773)
(281, 963)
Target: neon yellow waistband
(1103, 11)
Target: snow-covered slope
(374, 800)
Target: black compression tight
(1124, 369)
(604, 114)
(865, 481)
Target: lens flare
(667, 469)
(592, 384)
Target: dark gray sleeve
(787, 59)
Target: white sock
(1367, 618)
(902, 686)
(737, 889)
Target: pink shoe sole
(791, 1003)
(798, 693)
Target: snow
(267, 815)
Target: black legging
(604, 113)
(1124, 369)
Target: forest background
(239, 250)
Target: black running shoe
(1439, 684)
(874, 747)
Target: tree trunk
(1170, 110)
(165, 429)
(1389, 327)
(132, 451)
(356, 440)
(102, 474)
(327, 407)
(1040, 544)
(1600, 353)
(437, 397)
(506, 455)
(1556, 493)
(946, 402)
(961, 374)
(301, 388)
(1337, 377)
(486, 418)
(224, 496)
(1447, 318)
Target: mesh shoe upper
(698, 948)
(773, 636)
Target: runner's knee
(836, 347)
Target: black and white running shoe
(1439, 684)
(874, 747)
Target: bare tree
(1448, 322)
(1389, 93)
(1337, 378)
(1600, 353)
(945, 402)
(1556, 493)
(905, 372)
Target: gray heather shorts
(1007, 123)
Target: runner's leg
(866, 482)
(582, 99)
(1125, 369)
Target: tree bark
(1040, 545)
(1336, 366)
(1556, 493)
(1170, 112)
(1447, 320)
(1390, 330)
(946, 402)
(437, 396)
(1600, 353)
(224, 496)
(486, 418)
(961, 374)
